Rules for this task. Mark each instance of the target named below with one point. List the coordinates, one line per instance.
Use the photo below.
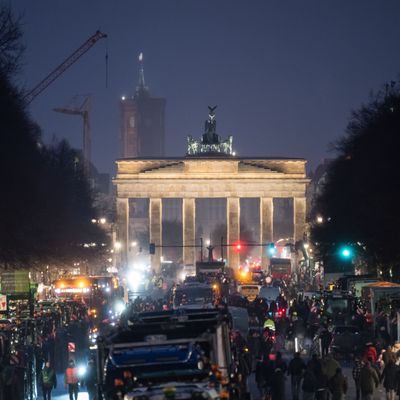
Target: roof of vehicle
(182, 323)
(190, 285)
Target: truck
(280, 268)
(160, 349)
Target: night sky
(284, 74)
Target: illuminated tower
(142, 122)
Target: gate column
(155, 221)
(299, 215)
(121, 245)
(266, 227)
(189, 231)
(233, 230)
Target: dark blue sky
(285, 74)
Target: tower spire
(141, 88)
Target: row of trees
(46, 200)
(359, 202)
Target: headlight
(81, 371)
(119, 307)
(135, 278)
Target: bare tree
(11, 46)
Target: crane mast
(63, 66)
(84, 111)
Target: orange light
(127, 374)
(81, 284)
(118, 382)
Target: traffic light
(346, 253)
(152, 248)
(239, 247)
(271, 249)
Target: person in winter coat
(326, 339)
(369, 380)
(278, 384)
(48, 380)
(322, 383)
(330, 366)
(295, 370)
(356, 372)
(370, 352)
(71, 380)
(90, 380)
(389, 378)
(280, 363)
(338, 385)
(310, 384)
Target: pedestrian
(330, 366)
(280, 363)
(369, 380)
(370, 352)
(338, 385)
(322, 383)
(295, 370)
(326, 339)
(260, 377)
(315, 362)
(310, 384)
(356, 372)
(389, 378)
(48, 380)
(71, 380)
(278, 384)
(387, 355)
(90, 380)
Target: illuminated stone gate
(208, 173)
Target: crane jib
(63, 66)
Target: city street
(199, 200)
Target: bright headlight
(119, 307)
(135, 278)
(81, 370)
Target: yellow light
(215, 286)
(81, 284)
(62, 285)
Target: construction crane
(64, 66)
(82, 109)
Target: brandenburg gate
(209, 170)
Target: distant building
(142, 122)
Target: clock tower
(142, 122)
